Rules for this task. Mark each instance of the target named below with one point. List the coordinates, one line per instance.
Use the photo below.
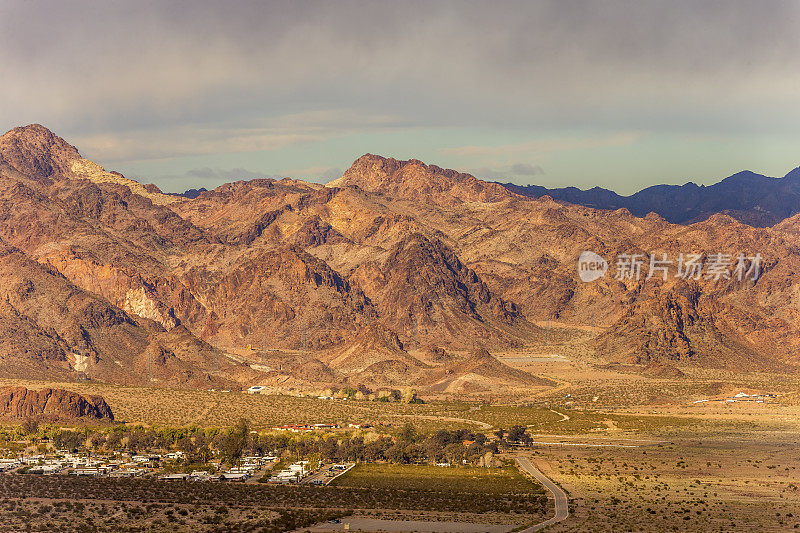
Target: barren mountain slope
(34, 153)
(396, 257)
(374, 343)
(277, 297)
(51, 404)
(414, 180)
(417, 286)
(69, 331)
(527, 252)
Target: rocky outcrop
(414, 180)
(678, 325)
(55, 404)
(425, 293)
(480, 372)
(315, 232)
(139, 302)
(374, 344)
(35, 153)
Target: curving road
(562, 503)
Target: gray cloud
(129, 81)
(517, 172)
(547, 146)
(525, 169)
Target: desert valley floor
(632, 452)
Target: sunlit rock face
(389, 276)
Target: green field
(490, 481)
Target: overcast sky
(617, 94)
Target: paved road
(562, 504)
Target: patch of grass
(490, 481)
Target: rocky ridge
(282, 281)
(52, 404)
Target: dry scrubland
(47, 514)
(697, 467)
(68, 503)
(748, 483)
(161, 407)
(218, 409)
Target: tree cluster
(200, 445)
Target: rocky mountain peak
(793, 175)
(36, 152)
(414, 180)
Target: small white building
(128, 472)
(231, 476)
(174, 477)
(86, 472)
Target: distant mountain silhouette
(193, 193)
(751, 198)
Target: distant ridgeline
(751, 198)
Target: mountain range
(751, 198)
(397, 274)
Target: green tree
(236, 440)
(30, 426)
(68, 440)
(516, 433)
(408, 434)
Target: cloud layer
(148, 80)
